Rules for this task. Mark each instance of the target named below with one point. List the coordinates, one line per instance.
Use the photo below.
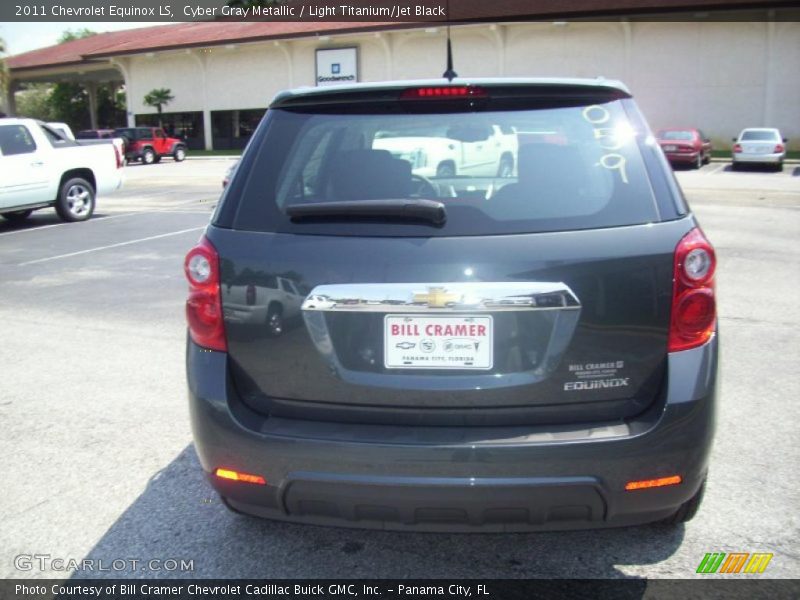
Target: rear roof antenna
(449, 74)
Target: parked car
(474, 149)
(41, 168)
(150, 144)
(475, 353)
(759, 145)
(95, 134)
(271, 301)
(685, 146)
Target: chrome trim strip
(441, 297)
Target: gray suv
(523, 340)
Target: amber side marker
(237, 476)
(651, 483)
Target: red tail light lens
(443, 92)
(694, 310)
(737, 148)
(779, 148)
(204, 305)
(118, 156)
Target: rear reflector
(443, 92)
(237, 476)
(651, 483)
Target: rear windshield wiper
(411, 209)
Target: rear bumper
(681, 157)
(770, 159)
(457, 479)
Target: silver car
(759, 145)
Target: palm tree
(158, 98)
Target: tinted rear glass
(686, 136)
(503, 171)
(760, 136)
(134, 133)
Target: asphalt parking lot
(98, 455)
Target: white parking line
(94, 220)
(128, 243)
(166, 209)
(720, 167)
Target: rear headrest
(370, 174)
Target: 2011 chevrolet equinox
(478, 305)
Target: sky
(21, 37)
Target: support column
(208, 134)
(91, 90)
(287, 54)
(627, 36)
(123, 65)
(769, 79)
(499, 32)
(10, 99)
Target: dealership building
(719, 70)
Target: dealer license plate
(438, 342)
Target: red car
(685, 146)
(150, 144)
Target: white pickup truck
(475, 151)
(40, 168)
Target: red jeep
(150, 144)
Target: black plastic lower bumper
(457, 479)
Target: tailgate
(546, 327)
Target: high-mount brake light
(694, 310)
(204, 305)
(444, 92)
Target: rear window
(496, 171)
(685, 136)
(87, 135)
(760, 136)
(134, 133)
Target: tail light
(779, 148)
(118, 156)
(250, 295)
(737, 148)
(204, 305)
(694, 311)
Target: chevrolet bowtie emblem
(437, 297)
